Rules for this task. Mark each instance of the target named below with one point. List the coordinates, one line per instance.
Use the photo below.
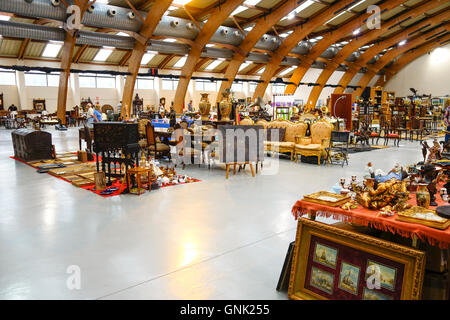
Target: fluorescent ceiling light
(180, 62)
(103, 54)
(261, 71)
(357, 31)
(170, 40)
(357, 4)
(123, 34)
(248, 29)
(147, 57)
(243, 66)
(209, 45)
(402, 42)
(238, 10)
(335, 17)
(286, 71)
(5, 18)
(213, 64)
(51, 50)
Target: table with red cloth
(371, 218)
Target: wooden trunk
(32, 145)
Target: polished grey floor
(215, 239)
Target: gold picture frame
(327, 198)
(303, 285)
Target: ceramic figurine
(423, 196)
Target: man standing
(12, 108)
(190, 106)
(90, 114)
(119, 107)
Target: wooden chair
(390, 134)
(416, 129)
(153, 145)
(399, 126)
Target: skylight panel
(180, 63)
(261, 71)
(51, 50)
(147, 57)
(103, 54)
(286, 71)
(214, 64)
(243, 66)
(238, 10)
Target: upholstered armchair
(317, 143)
(287, 142)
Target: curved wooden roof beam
(151, 21)
(292, 40)
(261, 27)
(364, 58)
(405, 59)
(370, 36)
(66, 62)
(209, 28)
(390, 55)
(327, 41)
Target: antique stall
(116, 146)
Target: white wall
(428, 74)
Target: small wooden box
(82, 156)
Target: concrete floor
(215, 239)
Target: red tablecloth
(368, 217)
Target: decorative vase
(225, 107)
(204, 106)
(423, 196)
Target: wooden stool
(234, 164)
(138, 171)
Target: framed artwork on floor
(338, 264)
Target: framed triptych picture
(338, 264)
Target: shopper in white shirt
(90, 114)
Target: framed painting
(39, 104)
(337, 264)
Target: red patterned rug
(115, 185)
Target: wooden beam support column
(292, 40)
(390, 55)
(151, 21)
(363, 59)
(261, 27)
(328, 39)
(209, 28)
(370, 36)
(66, 62)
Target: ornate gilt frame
(414, 260)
